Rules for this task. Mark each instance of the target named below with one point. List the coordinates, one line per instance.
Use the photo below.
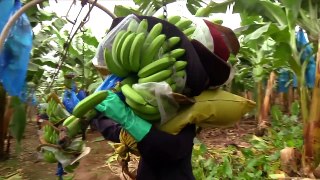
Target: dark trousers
(163, 156)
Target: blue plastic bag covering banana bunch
(6, 8)
(15, 55)
(302, 45)
(283, 79)
(55, 109)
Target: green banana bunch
(50, 135)
(49, 156)
(56, 111)
(141, 56)
(135, 48)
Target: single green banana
(152, 50)
(156, 66)
(69, 120)
(174, 19)
(176, 53)
(179, 65)
(147, 109)
(125, 51)
(135, 52)
(181, 73)
(201, 12)
(170, 43)
(217, 21)
(154, 32)
(143, 26)
(189, 31)
(119, 46)
(183, 24)
(131, 94)
(148, 117)
(133, 25)
(157, 77)
(112, 65)
(115, 44)
(89, 103)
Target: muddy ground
(28, 166)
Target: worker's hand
(113, 107)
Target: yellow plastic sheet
(213, 108)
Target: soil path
(27, 166)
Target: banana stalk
(315, 107)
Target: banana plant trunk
(264, 111)
(312, 130)
(259, 99)
(290, 97)
(2, 121)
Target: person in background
(41, 114)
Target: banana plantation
(159, 89)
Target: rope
(126, 146)
(70, 38)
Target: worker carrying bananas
(166, 154)
(163, 155)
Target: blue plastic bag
(307, 52)
(283, 79)
(6, 8)
(28, 96)
(70, 100)
(15, 56)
